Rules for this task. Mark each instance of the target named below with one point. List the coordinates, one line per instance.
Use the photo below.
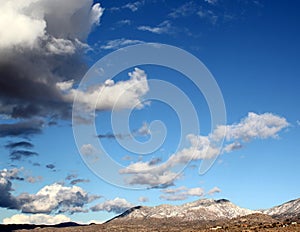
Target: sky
(203, 104)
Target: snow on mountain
(291, 208)
(204, 209)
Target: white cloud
(33, 20)
(120, 95)
(65, 85)
(11, 174)
(55, 197)
(124, 22)
(119, 43)
(133, 6)
(37, 219)
(174, 190)
(213, 2)
(214, 190)
(96, 13)
(192, 8)
(88, 150)
(143, 199)
(183, 10)
(164, 27)
(232, 146)
(198, 192)
(143, 130)
(22, 30)
(152, 178)
(117, 205)
(33, 179)
(254, 126)
(181, 193)
(177, 197)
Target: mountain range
(206, 210)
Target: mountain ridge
(206, 210)
(202, 209)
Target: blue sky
(251, 47)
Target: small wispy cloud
(181, 193)
(133, 6)
(140, 132)
(212, 2)
(50, 166)
(71, 176)
(143, 199)
(76, 181)
(124, 22)
(163, 28)
(21, 154)
(34, 179)
(192, 8)
(127, 157)
(186, 9)
(208, 15)
(119, 43)
(113, 136)
(213, 191)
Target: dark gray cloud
(155, 161)
(20, 154)
(113, 136)
(76, 181)
(50, 166)
(7, 200)
(49, 50)
(142, 131)
(36, 164)
(24, 129)
(71, 176)
(23, 144)
(28, 83)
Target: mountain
(290, 209)
(200, 210)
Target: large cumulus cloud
(42, 43)
(54, 198)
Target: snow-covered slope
(204, 209)
(291, 208)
